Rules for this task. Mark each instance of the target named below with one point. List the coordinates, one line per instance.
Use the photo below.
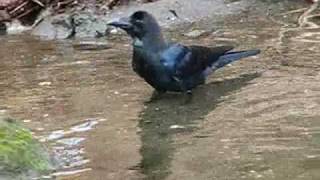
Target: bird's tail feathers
(230, 57)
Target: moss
(19, 151)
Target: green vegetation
(19, 151)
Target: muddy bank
(92, 22)
(85, 21)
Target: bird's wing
(199, 58)
(182, 61)
(172, 56)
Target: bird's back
(200, 58)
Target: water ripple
(67, 148)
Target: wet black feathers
(200, 58)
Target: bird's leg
(187, 92)
(155, 96)
(187, 96)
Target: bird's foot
(187, 97)
(156, 95)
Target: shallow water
(257, 119)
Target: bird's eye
(138, 21)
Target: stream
(256, 119)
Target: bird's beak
(123, 23)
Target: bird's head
(141, 25)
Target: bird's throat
(137, 43)
(152, 44)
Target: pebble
(195, 33)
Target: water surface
(257, 119)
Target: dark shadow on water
(158, 116)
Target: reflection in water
(78, 128)
(64, 96)
(309, 37)
(67, 148)
(158, 118)
(304, 30)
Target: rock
(20, 153)
(55, 27)
(89, 25)
(83, 24)
(15, 27)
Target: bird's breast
(149, 67)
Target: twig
(66, 2)
(17, 8)
(294, 11)
(303, 19)
(38, 2)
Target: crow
(172, 66)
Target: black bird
(172, 66)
